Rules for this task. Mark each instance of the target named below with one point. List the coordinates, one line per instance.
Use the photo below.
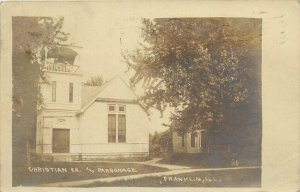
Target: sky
(102, 43)
(102, 39)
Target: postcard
(156, 95)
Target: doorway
(61, 141)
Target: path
(138, 176)
(152, 162)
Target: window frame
(203, 139)
(121, 129)
(109, 130)
(182, 140)
(193, 140)
(71, 92)
(112, 105)
(117, 114)
(53, 91)
(122, 106)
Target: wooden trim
(59, 72)
(100, 144)
(116, 100)
(113, 153)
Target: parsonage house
(79, 121)
(190, 142)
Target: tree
(160, 143)
(206, 69)
(94, 81)
(30, 36)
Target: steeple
(61, 65)
(62, 58)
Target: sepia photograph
(151, 102)
(109, 96)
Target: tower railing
(60, 67)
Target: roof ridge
(95, 91)
(92, 97)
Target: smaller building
(190, 142)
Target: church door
(61, 141)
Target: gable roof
(114, 89)
(88, 93)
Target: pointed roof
(88, 93)
(114, 89)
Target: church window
(122, 108)
(112, 128)
(71, 89)
(111, 108)
(116, 123)
(53, 91)
(121, 128)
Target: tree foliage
(203, 68)
(94, 81)
(160, 143)
(30, 36)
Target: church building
(86, 122)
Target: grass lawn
(204, 161)
(193, 161)
(224, 178)
(40, 173)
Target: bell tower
(64, 79)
